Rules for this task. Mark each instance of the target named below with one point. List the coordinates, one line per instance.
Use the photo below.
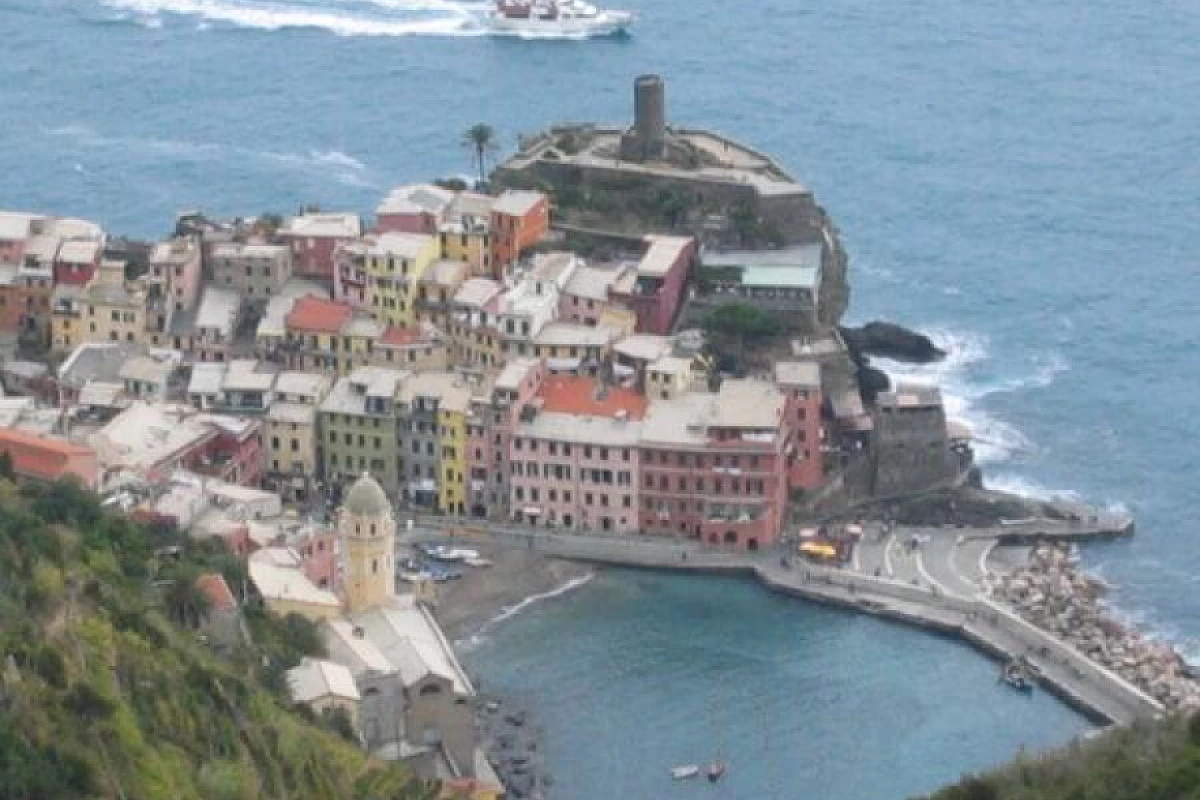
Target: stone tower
(368, 533)
(647, 139)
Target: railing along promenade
(1089, 687)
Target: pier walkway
(935, 586)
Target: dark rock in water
(888, 340)
(872, 381)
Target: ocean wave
(964, 390)
(511, 611)
(366, 18)
(341, 166)
(1016, 484)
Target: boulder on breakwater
(1054, 594)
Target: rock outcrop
(888, 340)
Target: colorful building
(801, 380)
(361, 427)
(519, 220)
(574, 456)
(315, 238)
(44, 459)
(713, 465)
(654, 289)
(395, 263)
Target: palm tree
(481, 139)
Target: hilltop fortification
(619, 181)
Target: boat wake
(511, 611)
(358, 18)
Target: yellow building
(368, 533)
(395, 263)
(452, 431)
(289, 436)
(436, 290)
(107, 309)
(468, 243)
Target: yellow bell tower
(368, 533)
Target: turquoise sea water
(638, 672)
(1017, 176)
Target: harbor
(942, 583)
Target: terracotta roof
(575, 395)
(317, 315)
(46, 459)
(398, 337)
(213, 586)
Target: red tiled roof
(317, 315)
(47, 459)
(213, 586)
(398, 337)
(575, 395)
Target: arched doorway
(730, 537)
(752, 543)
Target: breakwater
(1092, 688)
(1053, 594)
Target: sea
(1018, 178)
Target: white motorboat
(685, 771)
(556, 18)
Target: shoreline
(995, 630)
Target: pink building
(490, 429)
(573, 462)
(801, 382)
(314, 238)
(413, 209)
(319, 557)
(234, 454)
(713, 467)
(586, 294)
(655, 289)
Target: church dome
(366, 498)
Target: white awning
(531, 511)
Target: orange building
(519, 220)
(40, 458)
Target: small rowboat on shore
(685, 771)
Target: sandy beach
(466, 605)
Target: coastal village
(629, 339)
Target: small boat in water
(556, 18)
(716, 771)
(1018, 675)
(684, 771)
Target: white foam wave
(348, 18)
(511, 611)
(1016, 484)
(342, 166)
(963, 390)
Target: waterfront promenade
(937, 585)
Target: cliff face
(108, 691)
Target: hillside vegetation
(1147, 761)
(107, 689)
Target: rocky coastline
(1053, 593)
(512, 741)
